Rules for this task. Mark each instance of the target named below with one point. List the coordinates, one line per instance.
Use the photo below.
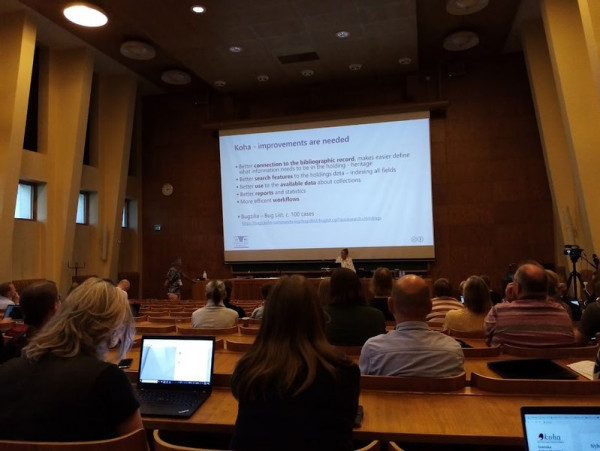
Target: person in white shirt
(8, 295)
(345, 260)
(124, 286)
(215, 315)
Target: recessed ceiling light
(405, 60)
(220, 83)
(461, 40)
(138, 50)
(235, 49)
(198, 9)
(355, 66)
(307, 73)
(342, 34)
(176, 77)
(465, 7)
(262, 78)
(85, 14)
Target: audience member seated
(265, 289)
(324, 291)
(351, 322)
(531, 320)
(442, 301)
(214, 315)
(589, 325)
(124, 285)
(8, 295)
(294, 389)
(227, 301)
(61, 389)
(39, 302)
(553, 292)
(412, 349)
(381, 287)
(495, 298)
(476, 294)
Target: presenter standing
(344, 260)
(173, 280)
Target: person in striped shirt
(531, 320)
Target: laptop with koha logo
(175, 375)
(561, 428)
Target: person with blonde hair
(293, 380)
(214, 314)
(61, 389)
(476, 294)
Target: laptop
(13, 312)
(561, 428)
(531, 369)
(175, 375)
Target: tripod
(575, 277)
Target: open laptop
(175, 375)
(14, 312)
(561, 428)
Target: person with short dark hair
(265, 289)
(381, 287)
(344, 260)
(531, 320)
(412, 349)
(476, 294)
(352, 320)
(295, 390)
(442, 301)
(8, 295)
(39, 302)
(214, 315)
(227, 301)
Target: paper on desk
(585, 368)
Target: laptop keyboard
(167, 397)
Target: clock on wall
(167, 189)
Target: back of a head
(411, 298)
(552, 283)
(265, 289)
(228, 289)
(442, 287)
(5, 288)
(382, 281)
(477, 295)
(292, 312)
(94, 316)
(215, 291)
(345, 288)
(324, 291)
(38, 302)
(486, 280)
(533, 280)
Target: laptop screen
(176, 361)
(561, 428)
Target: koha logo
(548, 437)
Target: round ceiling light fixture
(465, 7)
(461, 40)
(405, 60)
(355, 66)
(342, 34)
(137, 50)
(85, 14)
(176, 77)
(236, 49)
(220, 83)
(307, 73)
(263, 78)
(197, 9)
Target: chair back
(373, 446)
(162, 445)
(350, 350)
(134, 441)
(466, 334)
(413, 384)
(188, 329)
(551, 353)
(249, 330)
(237, 346)
(535, 386)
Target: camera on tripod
(573, 251)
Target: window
(25, 208)
(125, 218)
(83, 216)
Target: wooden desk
(466, 418)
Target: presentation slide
(302, 192)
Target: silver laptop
(561, 428)
(175, 375)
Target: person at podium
(344, 260)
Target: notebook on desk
(175, 375)
(530, 369)
(561, 428)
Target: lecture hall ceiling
(283, 38)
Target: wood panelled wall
(491, 199)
